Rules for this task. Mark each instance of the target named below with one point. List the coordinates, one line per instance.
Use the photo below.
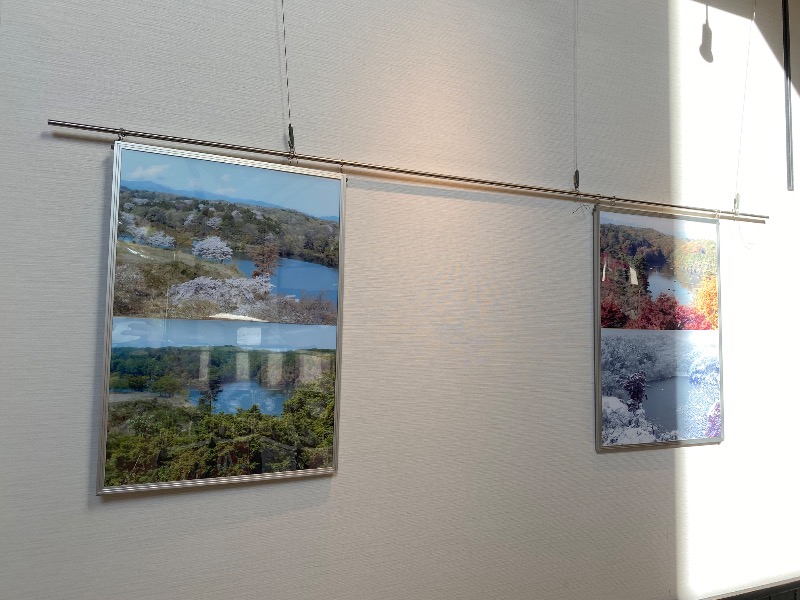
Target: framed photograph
(657, 334)
(222, 334)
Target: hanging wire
(787, 95)
(586, 209)
(576, 183)
(286, 71)
(736, 199)
(744, 99)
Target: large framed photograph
(657, 345)
(222, 334)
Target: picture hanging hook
(120, 136)
(290, 140)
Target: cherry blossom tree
(139, 234)
(228, 294)
(160, 239)
(212, 248)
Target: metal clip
(120, 136)
(291, 144)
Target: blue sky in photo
(315, 196)
(683, 228)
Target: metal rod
(573, 195)
(787, 90)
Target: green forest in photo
(155, 434)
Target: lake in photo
(663, 399)
(662, 280)
(245, 394)
(297, 278)
(682, 371)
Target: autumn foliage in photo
(628, 257)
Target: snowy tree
(623, 426)
(212, 248)
(714, 416)
(636, 386)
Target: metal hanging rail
(573, 195)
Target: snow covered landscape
(689, 356)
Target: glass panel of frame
(657, 346)
(222, 337)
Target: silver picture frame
(657, 330)
(223, 321)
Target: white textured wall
(467, 462)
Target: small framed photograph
(222, 333)
(657, 334)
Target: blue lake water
(245, 394)
(297, 278)
(663, 399)
(134, 332)
(664, 281)
(292, 277)
(676, 357)
(677, 403)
